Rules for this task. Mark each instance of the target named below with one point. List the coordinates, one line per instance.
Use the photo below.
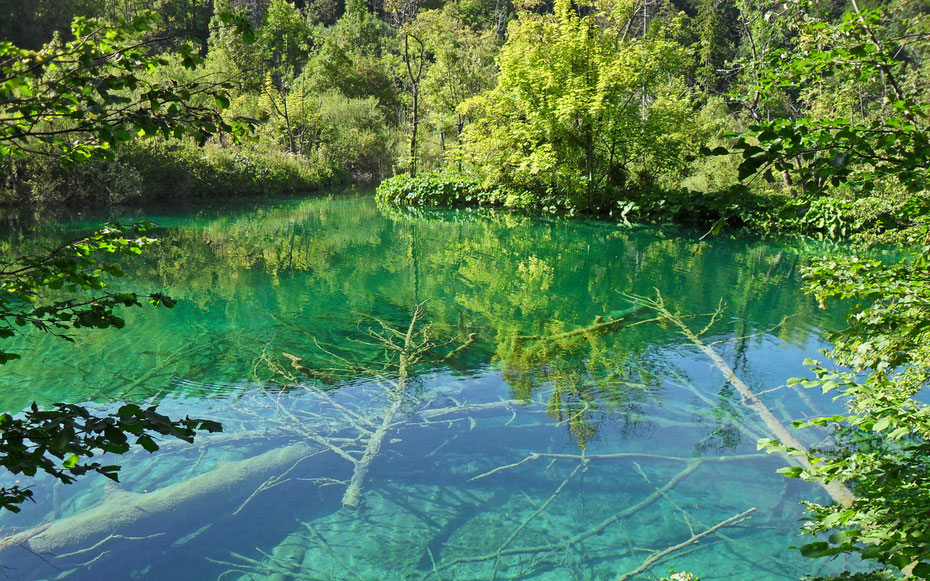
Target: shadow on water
(527, 421)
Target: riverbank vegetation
(774, 117)
(803, 117)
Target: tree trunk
(414, 74)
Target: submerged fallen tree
(524, 543)
(399, 351)
(122, 512)
(123, 509)
(838, 491)
(530, 546)
(357, 431)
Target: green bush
(735, 207)
(354, 135)
(41, 180)
(155, 168)
(443, 189)
(432, 190)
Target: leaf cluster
(837, 146)
(74, 268)
(78, 99)
(56, 441)
(882, 446)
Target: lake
(432, 395)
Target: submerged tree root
(532, 350)
(357, 432)
(618, 456)
(541, 554)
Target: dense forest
(803, 118)
(793, 117)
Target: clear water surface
(520, 435)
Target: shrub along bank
(157, 169)
(734, 207)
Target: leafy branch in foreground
(884, 142)
(70, 432)
(73, 267)
(882, 447)
(55, 441)
(77, 99)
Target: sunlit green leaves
(829, 147)
(883, 445)
(79, 99)
(582, 112)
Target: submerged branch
(655, 557)
(399, 349)
(408, 355)
(598, 326)
(691, 466)
(617, 456)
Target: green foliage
(284, 37)
(184, 170)
(349, 59)
(829, 217)
(237, 56)
(152, 169)
(582, 113)
(734, 207)
(57, 441)
(853, 134)
(32, 24)
(876, 156)
(354, 136)
(462, 66)
(432, 189)
(883, 445)
(77, 100)
(73, 102)
(70, 268)
(40, 180)
(714, 23)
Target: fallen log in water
(124, 509)
(401, 351)
(838, 491)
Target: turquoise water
(499, 444)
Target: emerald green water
(611, 445)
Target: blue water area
(443, 395)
